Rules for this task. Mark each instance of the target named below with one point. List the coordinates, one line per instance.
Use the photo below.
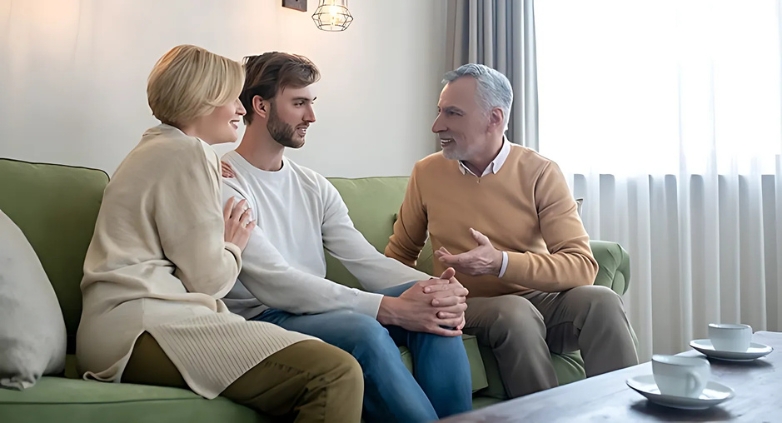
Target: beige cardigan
(157, 262)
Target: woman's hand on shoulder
(226, 170)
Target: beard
(452, 152)
(283, 133)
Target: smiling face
(290, 115)
(198, 92)
(221, 125)
(462, 123)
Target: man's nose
(438, 126)
(310, 115)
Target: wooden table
(607, 398)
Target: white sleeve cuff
(504, 263)
(367, 302)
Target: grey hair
(494, 89)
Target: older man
(502, 215)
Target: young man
(517, 242)
(298, 214)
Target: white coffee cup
(730, 337)
(680, 376)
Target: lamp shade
(332, 15)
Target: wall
(73, 75)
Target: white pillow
(32, 329)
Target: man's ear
(260, 106)
(496, 117)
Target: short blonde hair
(189, 82)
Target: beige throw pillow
(32, 329)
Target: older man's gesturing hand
(481, 260)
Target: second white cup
(680, 376)
(730, 337)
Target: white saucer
(755, 351)
(713, 394)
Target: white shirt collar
(495, 164)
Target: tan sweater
(157, 262)
(525, 209)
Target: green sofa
(56, 206)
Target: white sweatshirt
(298, 214)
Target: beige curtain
(499, 34)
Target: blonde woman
(164, 252)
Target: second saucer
(755, 351)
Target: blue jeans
(442, 385)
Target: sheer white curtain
(667, 118)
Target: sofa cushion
(372, 205)
(32, 333)
(55, 206)
(56, 399)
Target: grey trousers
(522, 329)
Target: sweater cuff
(367, 303)
(237, 253)
(516, 267)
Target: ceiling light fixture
(332, 15)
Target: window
(659, 87)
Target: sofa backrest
(373, 204)
(55, 206)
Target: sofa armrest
(614, 265)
